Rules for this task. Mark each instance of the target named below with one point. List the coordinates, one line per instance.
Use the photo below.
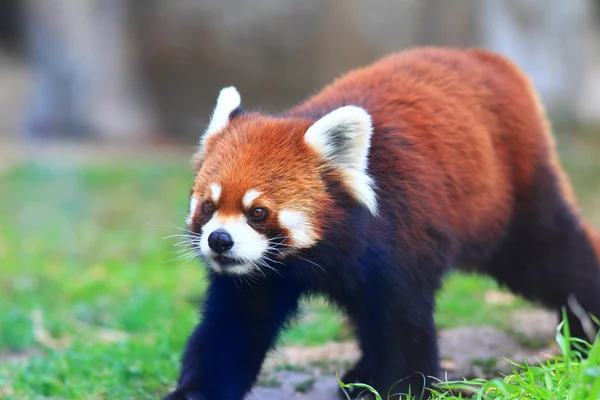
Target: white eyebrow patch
(250, 196)
(299, 226)
(193, 206)
(215, 191)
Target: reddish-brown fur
(476, 128)
(275, 161)
(476, 124)
(466, 174)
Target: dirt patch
(296, 373)
(482, 352)
(20, 357)
(296, 355)
(288, 385)
(535, 325)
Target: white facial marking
(240, 269)
(249, 197)
(193, 206)
(215, 191)
(343, 138)
(301, 230)
(249, 246)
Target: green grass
(93, 302)
(572, 375)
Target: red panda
(367, 193)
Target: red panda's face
(259, 194)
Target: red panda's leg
(224, 354)
(547, 256)
(396, 332)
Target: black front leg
(224, 354)
(396, 332)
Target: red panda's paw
(178, 395)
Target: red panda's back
(461, 129)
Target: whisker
(276, 243)
(276, 262)
(177, 235)
(237, 281)
(189, 241)
(180, 257)
(263, 263)
(247, 281)
(253, 276)
(257, 268)
(186, 230)
(312, 262)
(278, 237)
(189, 249)
(277, 250)
(261, 271)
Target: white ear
(229, 99)
(343, 138)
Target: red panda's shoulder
(445, 115)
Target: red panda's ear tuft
(343, 139)
(228, 103)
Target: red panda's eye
(208, 207)
(258, 214)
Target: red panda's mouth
(227, 261)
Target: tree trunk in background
(588, 105)
(445, 24)
(278, 52)
(82, 82)
(11, 32)
(553, 41)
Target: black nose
(220, 241)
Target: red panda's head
(260, 192)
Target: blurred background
(140, 70)
(101, 103)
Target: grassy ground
(567, 376)
(92, 302)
